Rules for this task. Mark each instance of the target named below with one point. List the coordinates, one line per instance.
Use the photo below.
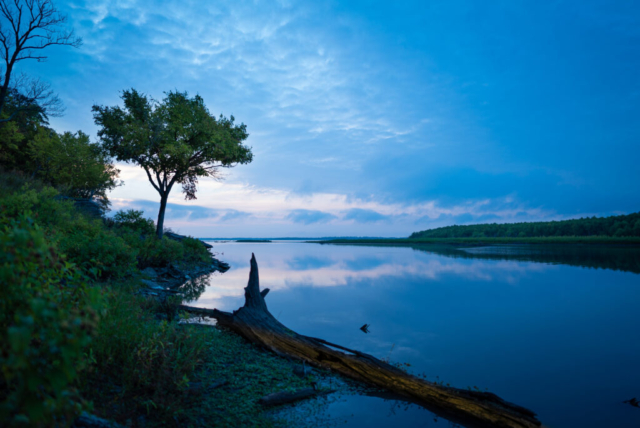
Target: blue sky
(377, 118)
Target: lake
(551, 328)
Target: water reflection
(194, 288)
(537, 328)
(623, 258)
(296, 264)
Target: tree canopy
(70, 161)
(175, 140)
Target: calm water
(552, 329)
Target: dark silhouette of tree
(27, 27)
(616, 226)
(176, 140)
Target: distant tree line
(614, 226)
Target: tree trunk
(471, 408)
(163, 207)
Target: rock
(218, 265)
(152, 285)
(150, 272)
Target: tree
(71, 162)
(26, 28)
(174, 141)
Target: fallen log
(470, 408)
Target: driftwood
(286, 397)
(470, 408)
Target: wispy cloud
(365, 216)
(408, 115)
(309, 216)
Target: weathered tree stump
(470, 408)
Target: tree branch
(150, 179)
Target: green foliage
(98, 251)
(134, 221)
(72, 162)
(48, 313)
(47, 317)
(176, 140)
(41, 204)
(10, 141)
(195, 251)
(116, 251)
(614, 226)
(149, 362)
(154, 252)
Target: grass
(147, 371)
(584, 240)
(250, 373)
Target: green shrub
(134, 221)
(47, 317)
(98, 251)
(153, 252)
(72, 162)
(195, 251)
(41, 205)
(149, 362)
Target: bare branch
(32, 95)
(33, 25)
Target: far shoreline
(563, 240)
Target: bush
(41, 205)
(134, 221)
(47, 317)
(73, 162)
(149, 362)
(195, 251)
(85, 241)
(96, 250)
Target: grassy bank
(583, 240)
(78, 334)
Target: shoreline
(559, 240)
(232, 377)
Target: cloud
(173, 211)
(232, 215)
(371, 114)
(360, 215)
(309, 216)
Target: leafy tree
(27, 27)
(176, 140)
(72, 162)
